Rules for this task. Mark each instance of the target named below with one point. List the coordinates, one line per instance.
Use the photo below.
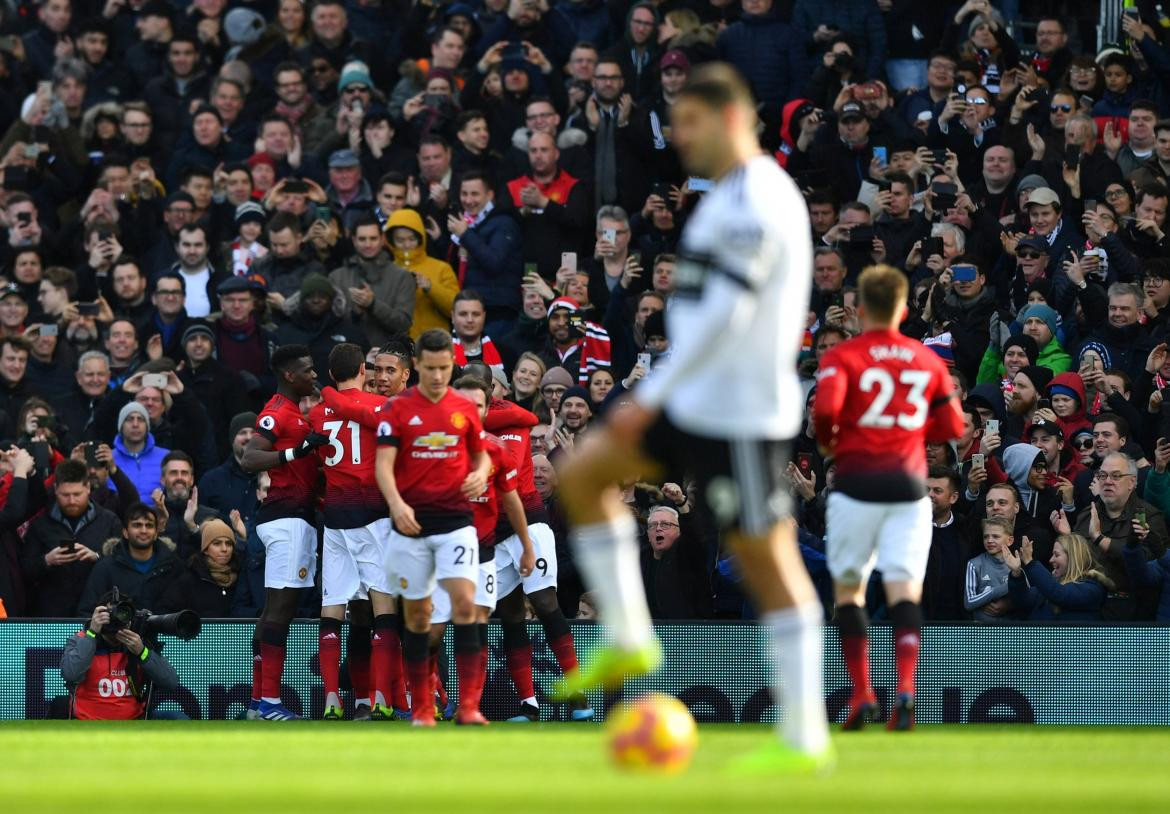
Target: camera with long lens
(184, 624)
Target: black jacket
(57, 591)
(194, 589)
(228, 487)
(117, 568)
(319, 333)
(223, 395)
(678, 585)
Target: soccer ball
(653, 733)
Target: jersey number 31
(879, 379)
(355, 442)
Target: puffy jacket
(1037, 594)
(1053, 357)
(228, 487)
(143, 468)
(392, 310)
(57, 590)
(769, 53)
(432, 308)
(495, 260)
(118, 569)
(319, 333)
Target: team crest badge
(402, 583)
(304, 572)
(458, 421)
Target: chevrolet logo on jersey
(436, 440)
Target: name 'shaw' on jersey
(880, 398)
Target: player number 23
(881, 380)
(355, 442)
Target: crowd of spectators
(187, 187)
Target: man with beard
(178, 502)
(575, 412)
(1028, 388)
(228, 487)
(577, 345)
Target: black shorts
(739, 481)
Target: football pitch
(217, 767)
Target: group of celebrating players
(465, 522)
(427, 520)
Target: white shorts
(894, 537)
(290, 553)
(353, 561)
(485, 594)
(414, 564)
(544, 575)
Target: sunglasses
(1063, 108)
(1083, 443)
(1029, 255)
(977, 101)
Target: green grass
(217, 767)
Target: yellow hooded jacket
(432, 308)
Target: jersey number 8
(880, 378)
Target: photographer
(141, 565)
(116, 687)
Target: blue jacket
(143, 468)
(495, 262)
(228, 487)
(1145, 573)
(768, 52)
(1077, 601)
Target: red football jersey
(513, 425)
(880, 397)
(294, 484)
(488, 507)
(436, 443)
(352, 497)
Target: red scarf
(490, 356)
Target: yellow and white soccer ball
(653, 733)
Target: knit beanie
(1040, 377)
(130, 408)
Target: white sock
(530, 700)
(798, 677)
(331, 700)
(607, 554)
(379, 698)
(270, 700)
(362, 702)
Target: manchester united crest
(458, 420)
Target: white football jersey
(737, 317)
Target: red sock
(329, 655)
(906, 644)
(483, 668)
(418, 675)
(271, 669)
(520, 668)
(856, 652)
(380, 664)
(397, 680)
(359, 677)
(562, 647)
(467, 665)
(257, 676)
(437, 686)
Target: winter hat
(978, 20)
(316, 284)
(500, 376)
(128, 410)
(240, 421)
(208, 109)
(197, 328)
(568, 303)
(655, 325)
(1031, 182)
(1040, 377)
(354, 73)
(943, 345)
(558, 376)
(1025, 343)
(250, 211)
(1064, 390)
(1100, 350)
(576, 391)
(1043, 286)
(261, 158)
(215, 529)
(243, 26)
(1044, 312)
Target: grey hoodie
(1017, 462)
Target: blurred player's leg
(779, 584)
(329, 657)
(606, 551)
(358, 645)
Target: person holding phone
(900, 225)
